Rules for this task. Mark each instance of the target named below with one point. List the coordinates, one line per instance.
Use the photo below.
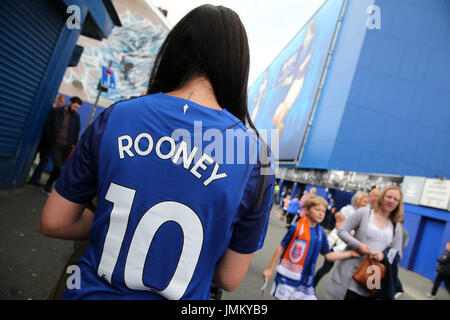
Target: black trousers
(44, 157)
(289, 218)
(351, 295)
(59, 155)
(326, 267)
(437, 282)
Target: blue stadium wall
(385, 109)
(385, 106)
(32, 64)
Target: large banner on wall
(283, 95)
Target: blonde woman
(375, 230)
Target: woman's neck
(198, 90)
(382, 213)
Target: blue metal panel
(428, 248)
(295, 190)
(32, 63)
(398, 107)
(320, 190)
(428, 212)
(35, 104)
(330, 109)
(412, 225)
(341, 198)
(25, 52)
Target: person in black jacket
(443, 271)
(62, 130)
(44, 148)
(391, 286)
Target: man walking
(62, 129)
(44, 148)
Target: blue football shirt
(176, 185)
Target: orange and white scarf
(291, 265)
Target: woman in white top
(359, 199)
(375, 230)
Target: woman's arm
(231, 269)
(64, 219)
(351, 223)
(276, 256)
(333, 256)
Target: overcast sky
(270, 25)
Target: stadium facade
(362, 98)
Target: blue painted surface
(385, 107)
(14, 171)
(429, 231)
(428, 247)
(400, 101)
(339, 79)
(412, 225)
(321, 191)
(341, 198)
(295, 190)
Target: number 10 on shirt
(122, 199)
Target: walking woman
(375, 230)
(359, 200)
(171, 217)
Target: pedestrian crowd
(370, 227)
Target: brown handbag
(363, 273)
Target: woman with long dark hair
(180, 204)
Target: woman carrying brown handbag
(375, 230)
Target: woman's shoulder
(347, 207)
(359, 215)
(363, 211)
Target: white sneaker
(428, 294)
(398, 295)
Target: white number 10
(122, 198)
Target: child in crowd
(299, 250)
(286, 201)
(306, 195)
(292, 210)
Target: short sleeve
(288, 236)
(325, 245)
(78, 179)
(250, 224)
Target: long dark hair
(209, 41)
